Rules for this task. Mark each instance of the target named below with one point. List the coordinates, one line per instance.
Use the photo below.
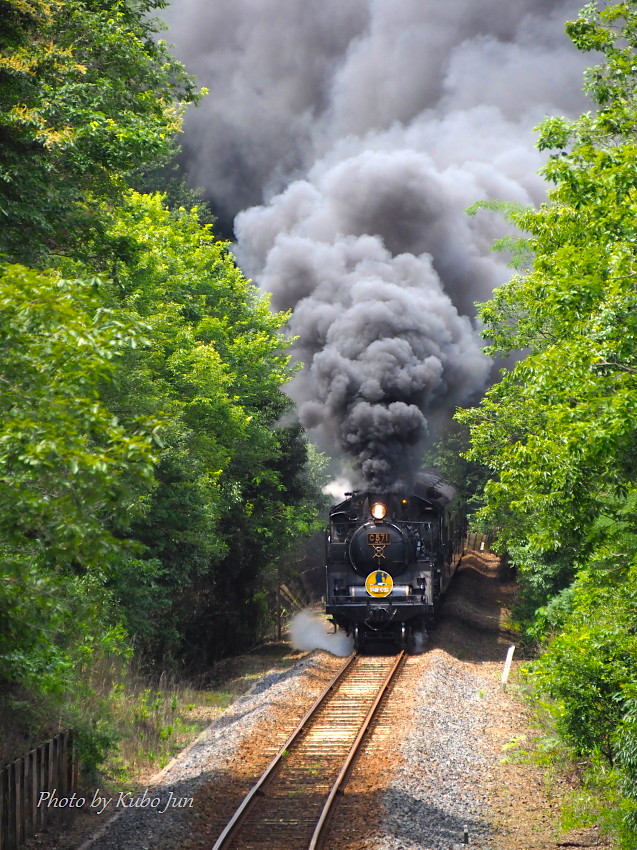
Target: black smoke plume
(381, 344)
(348, 139)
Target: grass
(153, 723)
(587, 788)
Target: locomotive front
(389, 560)
(379, 543)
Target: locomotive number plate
(378, 538)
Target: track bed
(290, 804)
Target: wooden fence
(36, 789)
(478, 542)
(288, 600)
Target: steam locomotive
(390, 558)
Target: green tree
(151, 473)
(558, 431)
(87, 96)
(448, 454)
(232, 492)
(67, 465)
(69, 470)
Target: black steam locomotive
(390, 558)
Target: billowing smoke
(308, 632)
(380, 341)
(349, 139)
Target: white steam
(308, 632)
(337, 487)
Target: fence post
(11, 830)
(51, 765)
(55, 743)
(3, 809)
(75, 765)
(19, 826)
(44, 777)
(64, 760)
(33, 759)
(26, 797)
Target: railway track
(290, 805)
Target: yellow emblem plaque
(379, 584)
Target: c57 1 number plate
(378, 538)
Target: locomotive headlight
(378, 510)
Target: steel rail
(233, 824)
(319, 832)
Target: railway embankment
(439, 769)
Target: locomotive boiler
(390, 558)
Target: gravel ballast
(435, 792)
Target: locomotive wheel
(403, 636)
(358, 638)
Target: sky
(344, 141)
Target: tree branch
(621, 366)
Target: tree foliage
(69, 470)
(231, 492)
(87, 94)
(558, 431)
(448, 454)
(151, 472)
(67, 464)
